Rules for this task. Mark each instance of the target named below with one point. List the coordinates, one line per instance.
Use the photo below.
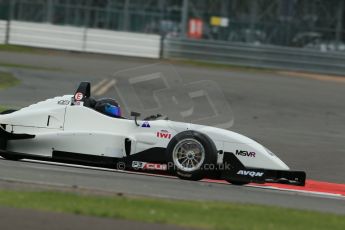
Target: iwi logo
(164, 134)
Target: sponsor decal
(78, 103)
(164, 134)
(250, 173)
(63, 102)
(245, 153)
(146, 124)
(149, 166)
(78, 96)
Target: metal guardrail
(46, 36)
(265, 56)
(3, 28)
(81, 39)
(123, 43)
(145, 45)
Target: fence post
(184, 18)
(9, 19)
(50, 11)
(253, 19)
(126, 15)
(339, 27)
(86, 26)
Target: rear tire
(3, 142)
(8, 111)
(11, 158)
(188, 152)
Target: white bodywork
(59, 126)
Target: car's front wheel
(192, 155)
(239, 183)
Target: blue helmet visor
(113, 110)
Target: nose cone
(279, 163)
(264, 158)
(231, 142)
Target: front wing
(240, 173)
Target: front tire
(189, 152)
(238, 183)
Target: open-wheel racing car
(79, 129)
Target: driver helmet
(108, 107)
(112, 110)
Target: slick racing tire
(8, 111)
(3, 142)
(239, 183)
(188, 154)
(11, 157)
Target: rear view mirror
(135, 115)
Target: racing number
(78, 96)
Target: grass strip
(19, 49)
(11, 65)
(3, 108)
(206, 215)
(7, 80)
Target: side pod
(5, 136)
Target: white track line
(104, 88)
(323, 194)
(327, 194)
(300, 191)
(98, 85)
(97, 168)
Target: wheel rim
(188, 155)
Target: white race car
(78, 129)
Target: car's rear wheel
(3, 142)
(189, 152)
(8, 111)
(11, 157)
